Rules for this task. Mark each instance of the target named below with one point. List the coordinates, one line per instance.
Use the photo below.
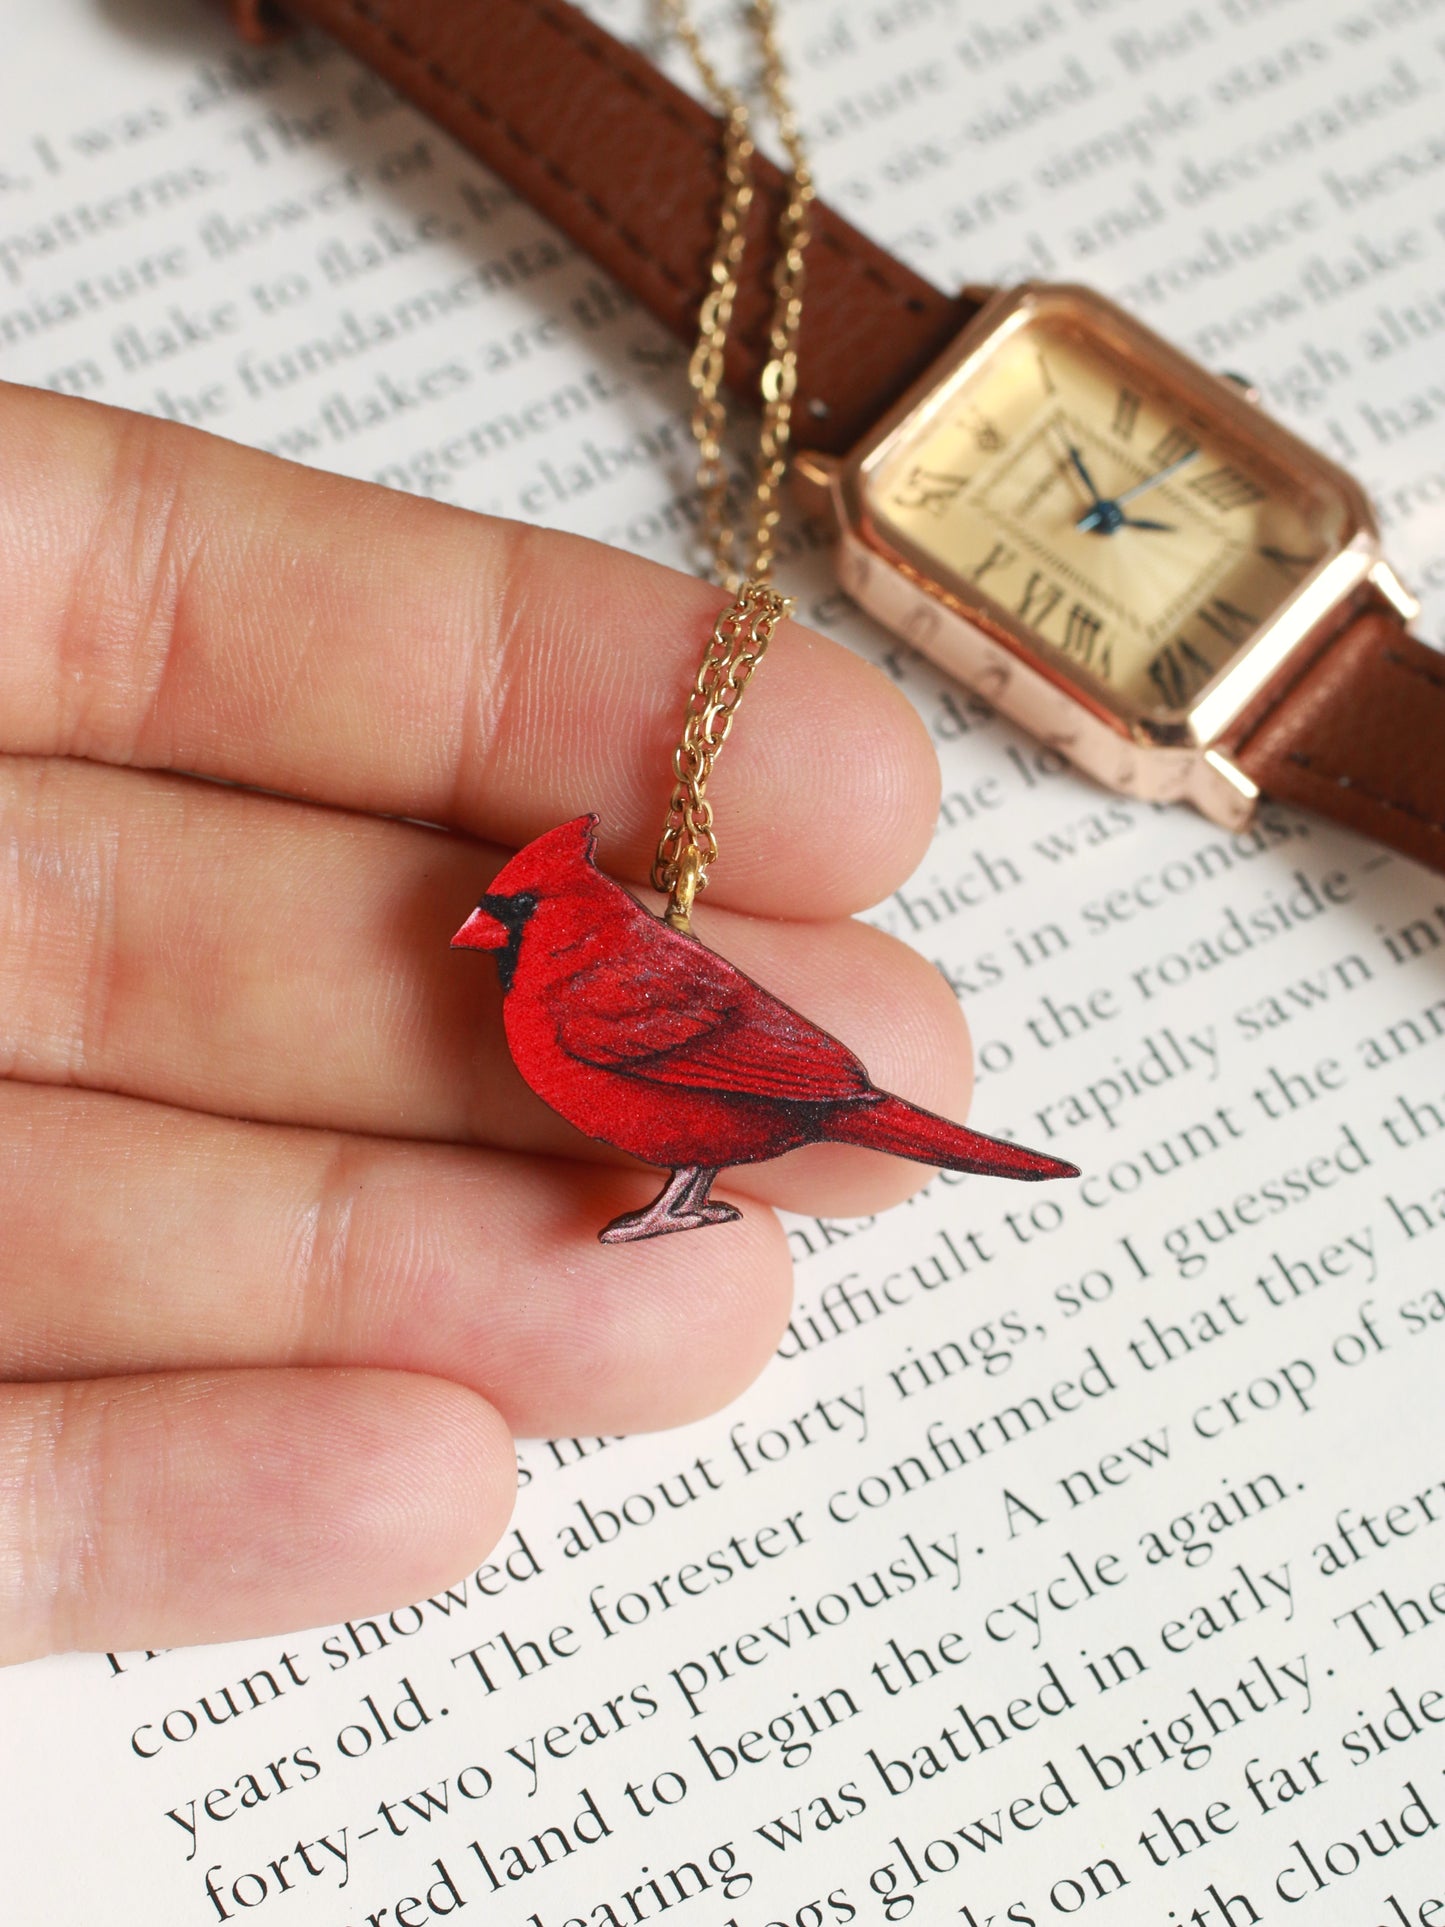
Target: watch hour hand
(1079, 466)
(1105, 516)
(1082, 472)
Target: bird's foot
(716, 1212)
(684, 1205)
(656, 1224)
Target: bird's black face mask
(512, 914)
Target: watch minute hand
(1153, 481)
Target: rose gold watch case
(1123, 744)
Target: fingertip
(443, 1479)
(192, 1507)
(312, 1494)
(835, 735)
(632, 1337)
(892, 771)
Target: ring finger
(141, 1239)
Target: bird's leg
(712, 1210)
(682, 1205)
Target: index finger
(176, 601)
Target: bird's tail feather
(888, 1124)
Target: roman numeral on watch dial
(929, 488)
(1040, 598)
(1081, 640)
(1226, 488)
(1226, 619)
(998, 557)
(985, 432)
(1172, 446)
(1178, 670)
(1126, 413)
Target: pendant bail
(678, 914)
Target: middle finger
(238, 953)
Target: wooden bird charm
(648, 1040)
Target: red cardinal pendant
(650, 1041)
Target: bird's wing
(680, 1014)
(784, 1056)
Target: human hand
(290, 1251)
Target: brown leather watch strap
(629, 166)
(1361, 737)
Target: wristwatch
(1117, 548)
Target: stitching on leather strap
(435, 72)
(1341, 781)
(656, 97)
(1397, 661)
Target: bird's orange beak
(481, 931)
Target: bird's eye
(524, 903)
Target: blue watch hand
(1105, 517)
(1107, 514)
(1076, 462)
(1084, 476)
(1153, 481)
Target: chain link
(780, 376)
(738, 643)
(744, 629)
(705, 367)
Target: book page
(1082, 1552)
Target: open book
(1083, 1550)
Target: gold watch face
(1072, 484)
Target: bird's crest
(550, 862)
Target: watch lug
(978, 293)
(815, 478)
(1222, 792)
(1384, 580)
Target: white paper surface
(1084, 1551)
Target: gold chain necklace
(743, 630)
(633, 1030)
